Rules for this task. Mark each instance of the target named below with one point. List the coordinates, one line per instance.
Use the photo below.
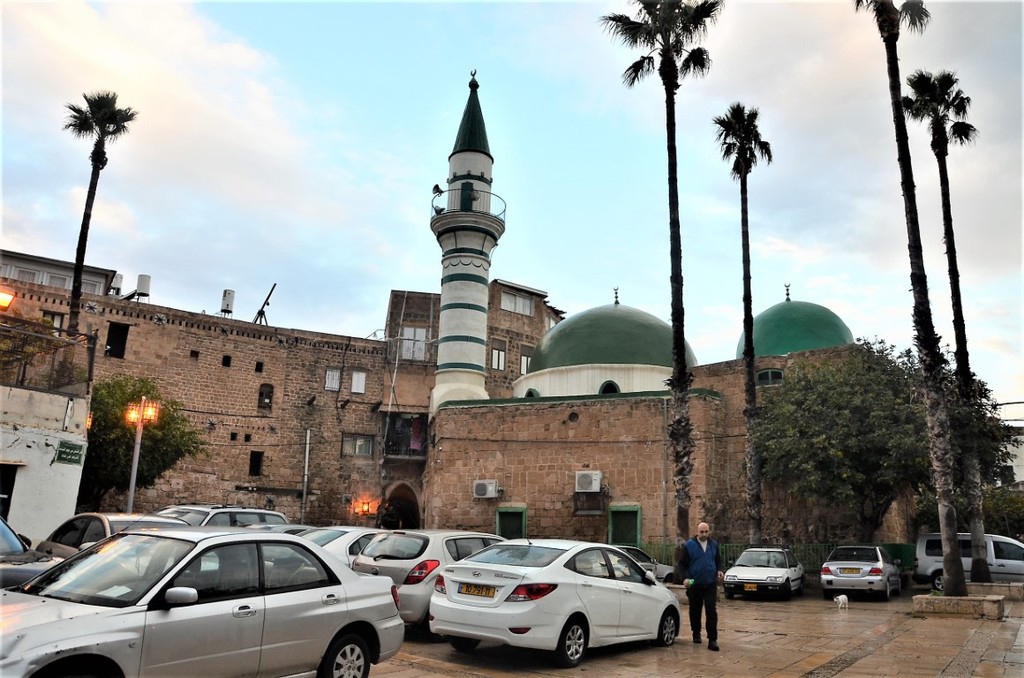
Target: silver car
(85, 529)
(344, 541)
(661, 572)
(199, 601)
(413, 558)
(855, 569)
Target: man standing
(702, 563)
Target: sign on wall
(69, 453)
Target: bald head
(703, 532)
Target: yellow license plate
(476, 590)
(849, 570)
(750, 587)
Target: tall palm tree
(888, 19)
(102, 121)
(741, 142)
(666, 32)
(939, 102)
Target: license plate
(750, 587)
(477, 590)
(849, 570)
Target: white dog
(842, 602)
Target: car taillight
(876, 571)
(394, 594)
(439, 584)
(420, 571)
(525, 592)
(825, 570)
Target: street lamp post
(138, 414)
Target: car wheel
(668, 578)
(465, 645)
(572, 643)
(887, 593)
(668, 629)
(346, 657)
(729, 595)
(937, 581)
(800, 588)
(787, 590)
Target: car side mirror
(649, 577)
(181, 595)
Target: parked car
(552, 594)
(85, 529)
(765, 570)
(1005, 558)
(286, 528)
(854, 569)
(412, 558)
(662, 572)
(344, 541)
(222, 514)
(194, 601)
(18, 562)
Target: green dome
(607, 335)
(796, 326)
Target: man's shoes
(713, 645)
(696, 638)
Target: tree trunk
(941, 451)
(83, 239)
(751, 454)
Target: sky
(293, 146)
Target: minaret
(467, 220)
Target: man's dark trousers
(703, 597)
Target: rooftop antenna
(261, 315)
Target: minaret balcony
(469, 207)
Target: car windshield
(319, 536)
(121, 524)
(9, 543)
(117, 573)
(761, 559)
(190, 516)
(396, 546)
(523, 555)
(860, 555)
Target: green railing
(811, 556)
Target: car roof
(564, 544)
(445, 533)
(213, 507)
(767, 548)
(203, 533)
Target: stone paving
(805, 637)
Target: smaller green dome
(607, 335)
(792, 326)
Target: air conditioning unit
(485, 489)
(588, 481)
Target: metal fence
(38, 356)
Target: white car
(199, 601)
(552, 594)
(765, 570)
(663, 573)
(344, 541)
(412, 558)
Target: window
(255, 463)
(498, 354)
(259, 366)
(463, 547)
(193, 354)
(25, 275)
(769, 377)
(233, 435)
(1004, 550)
(90, 288)
(60, 281)
(222, 572)
(357, 446)
(532, 393)
(247, 437)
(511, 522)
(609, 387)
(117, 340)
(225, 361)
(414, 343)
(332, 382)
(525, 355)
(516, 303)
(290, 567)
(624, 525)
(266, 397)
(358, 381)
(57, 319)
(591, 564)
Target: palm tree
(103, 121)
(939, 102)
(741, 142)
(888, 19)
(666, 31)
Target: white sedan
(199, 601)
(344, 541)
(765, 570)
(551, 594)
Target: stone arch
(402, 504)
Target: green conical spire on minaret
(472, 132)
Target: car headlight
(730, 577)
(773, 580)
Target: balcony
(467, 200)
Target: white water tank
(227, 302)
(115, 284)
(142, 288)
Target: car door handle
(243, 611)
(330, 599)
(586, 584)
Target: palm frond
(914, 15)
(963, 133)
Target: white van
(1005, 558)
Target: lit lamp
(139, 414)
(366, 507)
(6, 299)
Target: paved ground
(806, 636)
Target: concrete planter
(978, 607)
(1010, 590)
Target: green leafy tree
(667, 31)
(1004, 507)
(108, 459)
(740, 140)
(937, 101)
(942, 452)
(849, 429)
(102, 121)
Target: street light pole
(138, 414)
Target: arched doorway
(403, 509)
